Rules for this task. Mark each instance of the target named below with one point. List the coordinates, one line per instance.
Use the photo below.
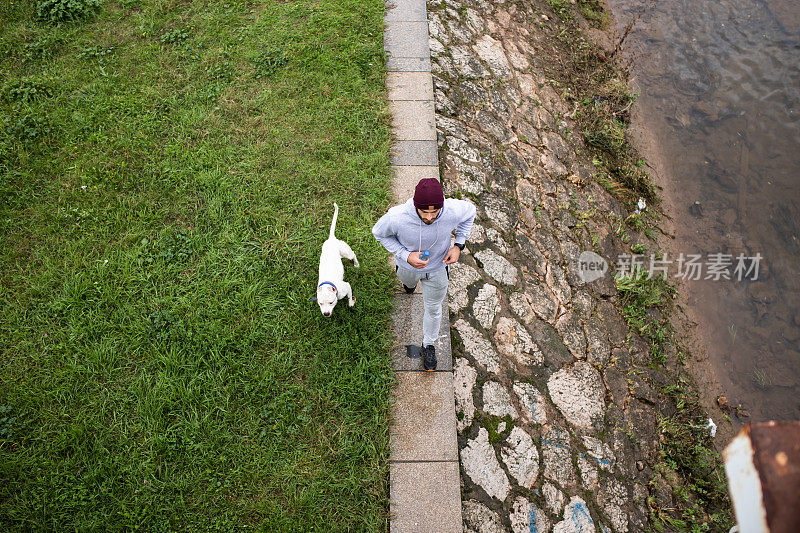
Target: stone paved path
(557, 425)
(424, 489)
(556, 413)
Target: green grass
(687, 449)
(595, 87)
(168, 177)
(687, 454)
(592, 11)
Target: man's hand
(415, 261)
(453, 255)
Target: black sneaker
(409, 290)
(429, 358)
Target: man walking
(418, 234)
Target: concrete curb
(424, 483)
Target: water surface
(719, 92)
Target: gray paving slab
(407, 39)
(408, 64)
(410, 86)
(423, 418)
(406, 179)
(413, 120)
(407, 318)
(414, 153)
(425, 489)
(425, 497)
(406, 11)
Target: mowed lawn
(168, 176)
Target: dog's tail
(335, 216)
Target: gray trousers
(434, 291)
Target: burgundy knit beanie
(428, 194)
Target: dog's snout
(326, 314)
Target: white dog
(331, 286)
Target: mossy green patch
(492, 425)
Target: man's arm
(465, 226)
(467, 217)
(382, 230)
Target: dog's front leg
(347, 291)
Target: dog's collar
(331, 284)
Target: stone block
(407, 177)
(408, 330)
(407, 39)
(406, 11)
(414, 153)
(409, 86)
(408, 64)
(413, 120)
(423, 417)
(425, 497)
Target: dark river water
(719, 114)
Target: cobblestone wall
(557, 422)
